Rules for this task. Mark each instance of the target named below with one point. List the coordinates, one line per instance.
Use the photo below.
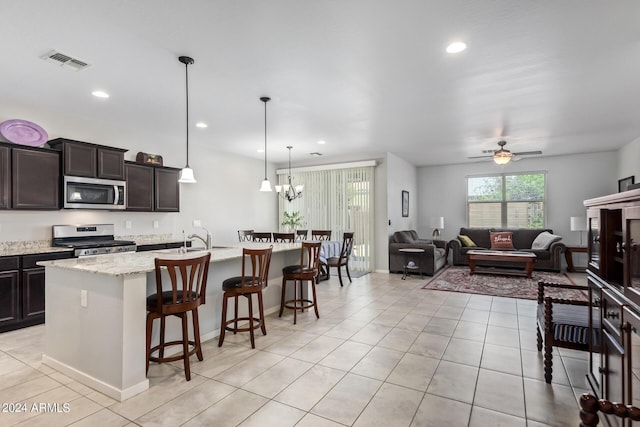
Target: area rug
(458, 279)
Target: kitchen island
(96, 311)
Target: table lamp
(578, 223)
(437, 223)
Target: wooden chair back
(310, 257)
(284, 237)
(245, 235)
(261, 237)
(347, 246)
(260, 260)
(188, 283)
(301, 234)
(320, 234)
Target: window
(507, 200)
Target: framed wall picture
(405, 203)
(624, 183)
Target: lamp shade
(437, 222)
(578, 223)
(186, 176)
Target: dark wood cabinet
(22, 289)
(110, 163)
(167, 190)
(5, 177)
(35, 179)
(9, 291)
(90, 160)
(140, 183)
(152, 188)
(613, 275)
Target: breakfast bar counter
(96, 311)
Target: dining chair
(245, 235)
(307, 270)
(343, 259)
(261, 237)
(564, 323)
(320, 234)
(188, 288)
(246, 285)
(284, 237)
(301, 234)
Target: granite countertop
(143, 262)
(27, 247)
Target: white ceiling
(367, 76)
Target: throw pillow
(466, 241)
(544, 240)
(501, 240)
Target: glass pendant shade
(266, 185)
(186, 176)
(502, 157)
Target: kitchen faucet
(207, 242)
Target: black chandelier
(289, 191)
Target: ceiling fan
(502, 156)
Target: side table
(409, 266)
(568, 256)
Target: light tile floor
(384, 352)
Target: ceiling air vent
(315, 153)
(64, 60)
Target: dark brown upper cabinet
(90, 160)
(139, 187)
(152, 188)
(5, 177)
(167, 190)
(35, 179)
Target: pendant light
(290, 192)
(186, 174)
(266, 185)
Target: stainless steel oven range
(90, 239)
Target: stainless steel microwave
(93, 193)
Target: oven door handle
(116, 199)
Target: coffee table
(498, 257)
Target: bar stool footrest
(180, 356)
(299, 304)
(257, 324)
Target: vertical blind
(338, 200)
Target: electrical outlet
(127, 225)
(156, 223)
(197, 223)
(83, 298)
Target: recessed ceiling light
(321, 142)
(100, 94)
(456, 47)
(201, 125)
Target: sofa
(549, 259)
(433, 259)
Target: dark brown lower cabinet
(22, 289)
(9, 298)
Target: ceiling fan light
(502, 157)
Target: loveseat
(433, 259)
(549, 258)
